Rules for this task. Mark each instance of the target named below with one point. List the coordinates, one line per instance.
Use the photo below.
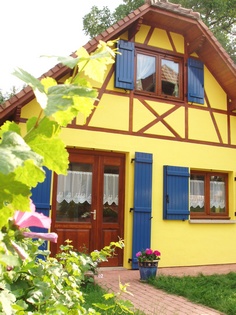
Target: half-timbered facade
(155, 163)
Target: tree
(6, 96)
(98, 20)
(218, 15)
(220, 18)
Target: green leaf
(14, 152)
(82, 105)
(108, 296)
(6, 300)
(44, 139)
(29, 174)
(69, 61)
(97, 65)
(29, 79)
(60, 97)
(14, 194)
(104, 307)
(10, 260)
(5, 214)
(9, 125)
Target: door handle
(94, 212)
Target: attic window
(160, 75)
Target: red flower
(149, 251)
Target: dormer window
(159, 75)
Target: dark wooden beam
(135, 28)
(196, 44)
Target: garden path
(156, 302)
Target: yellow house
(155, 163)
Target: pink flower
(52, 237)
(20, 251)
(157, 253)
(32, 218)
(138, 254)
(149, 251)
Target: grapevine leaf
(98, 61)
(82, 105)
(69, 61)
(9, 125)
(5, 213)
(47, 128)
(60, 97)
(54, 153)
(45, 140)
(14, 152)
(29, 79)
(30, 174)
(14, 196)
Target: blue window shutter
(176, 193)
(195, 81)
(142, 204)
(41, 199)
(124, 73)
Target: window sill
(167, 98)
(211, 221)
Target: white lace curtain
(77, 187)
(146, 66)
(217, 194)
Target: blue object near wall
(41, 199)
(142, 211)
(176, 193)
(124, 66)
(195, 81)
(148, 269)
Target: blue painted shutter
(142, 204)
(124, 73)
(41, 199)
(176, 193)
(195, 81)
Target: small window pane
(197, 193)
(74, 193)
(146, 73)
(169, 77)
(217, 194)
(111, 194)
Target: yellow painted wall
(181, 243)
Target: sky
(30, 29)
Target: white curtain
(77, 187)
(217, 194)
(146, 66)
(111, 186)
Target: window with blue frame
(158, 74)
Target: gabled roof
(162, 14)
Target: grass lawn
(93, 293)
(215, 291)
